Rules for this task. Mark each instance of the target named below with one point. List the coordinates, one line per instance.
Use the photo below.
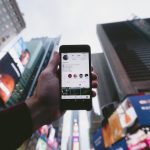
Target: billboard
(98, 140)
(20, 53)
(139, 140)
(12, 65)
(141, 105)
(121, 145)
(9, 75)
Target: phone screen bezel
(76, 104)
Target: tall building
(126, 51)
(40, 50)
(95, 121)
(124, 70)
(11, 21)
(107, 92)
(124, 65)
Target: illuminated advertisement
(41, 144)
(75, 138)
(117, 130)
(141, 105)
(107, 135)
(20, 53)
(127, 114)
(128, 128)
(12, 65)
(123, 118)
(98, 140)
(121, 145)
(48, 134)
(52, 140)
(9, 75)
(140, 140)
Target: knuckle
(43, 74)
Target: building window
(14, 30)
(14, 14)
(15, 19)
(2, 29)
(7, 16)
(4, 19)
(11, 23)
(4, 10)
(3, 39)
(7, 26)
(7, 36)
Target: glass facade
(11, 21)
(40, 50)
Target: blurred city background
(118, 33)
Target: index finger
(53, 64)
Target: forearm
(15, 126)
(39, 113)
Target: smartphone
(75, 74)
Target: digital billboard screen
(20, 53)
(9, 75)
(12, 65)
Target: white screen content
(75, 75)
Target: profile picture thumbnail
(81, 75)
(86, 75)
(75, 76)
(25, 57)
(69, 75)
(65, 57)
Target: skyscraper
(126, 49)
(11, 21)
(106, 89)
(124, 66)
(40, 50)
(124, 69)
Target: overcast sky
(75, 20)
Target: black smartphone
(75, 74)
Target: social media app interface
(75, 76)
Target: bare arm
(18, 122)
(44, 104)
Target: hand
(44, 104)
(94, 82)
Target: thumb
(53, 64)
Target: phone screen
(75, 69)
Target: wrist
(38, 111)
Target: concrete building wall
(11, 21)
